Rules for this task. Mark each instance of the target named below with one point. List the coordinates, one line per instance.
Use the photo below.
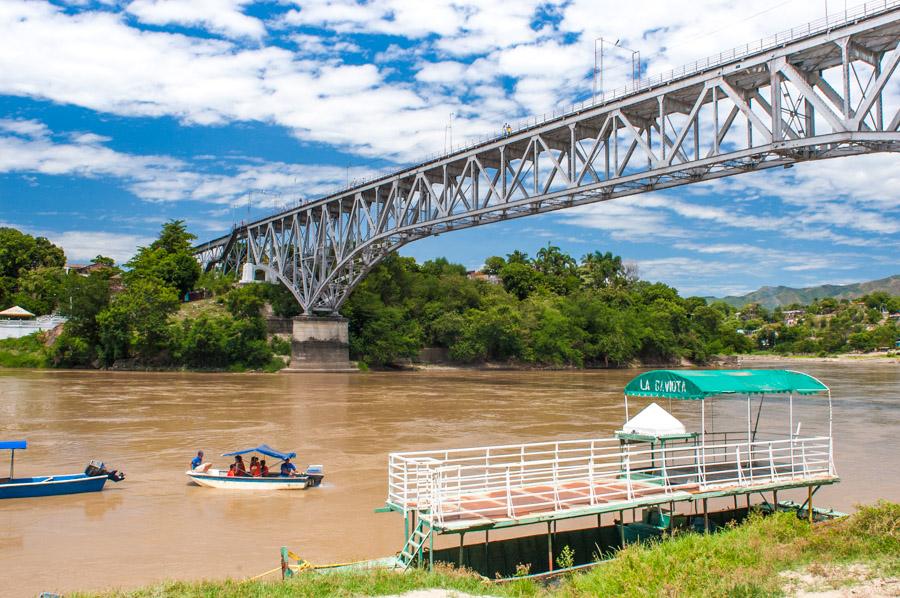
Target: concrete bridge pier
(320, 344)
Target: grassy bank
(25, 352)
(746, 560)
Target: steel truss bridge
(823, 90)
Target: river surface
(156, 526)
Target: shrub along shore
(765, 556)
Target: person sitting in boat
(231, 470)
(263, 468)
(196, 461)
(254, 467)
(288, 469)
(239, 469)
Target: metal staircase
(412, 550)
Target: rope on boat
(269, 572)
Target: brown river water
(156, 526)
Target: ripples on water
(155, 525)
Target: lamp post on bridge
(598, 64)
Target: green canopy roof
(699, 384)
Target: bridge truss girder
(831, 94)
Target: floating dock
(653, 464)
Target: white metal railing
(509, 481)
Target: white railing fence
(510, 481)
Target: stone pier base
(320, 344)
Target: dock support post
(549, 546)
(462, 535)
(735, 502)
(775, 499)
(622, 528)
(809, 507)
(487, 562)
(671, 516)
(748, 502)
(430, 547)
(705, 517)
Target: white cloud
(219, 16)
(30, 147)
(82, 246)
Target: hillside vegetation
(781, 296)
(550, 310)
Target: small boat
(92, 480)
(205, 475)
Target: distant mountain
(771, 297)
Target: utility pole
(598, 64)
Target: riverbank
(766, 556)
(889, 358)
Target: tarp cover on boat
(699, 384)
(12, 444)
(263, 449)
(653, 420)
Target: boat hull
(248, 483)
(51, 485)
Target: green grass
(194, 309)
(25, 352)
(362, 583)
(744, 560)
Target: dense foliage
(552, 310)
(135, 323)
(547, 310)
(31, 271)
(825, 326)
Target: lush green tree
(215, 282)
(102, 260)
(246, 302)
(83, 298)
(167, 259)
(386, 337)
(442, 267)
(520, 279)
(135, 323)
(600, 269)
(493, 265)
(553, 337)
(40, 289)
(20, 254)
(517, 257)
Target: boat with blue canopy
(285, 478)
(92, 479)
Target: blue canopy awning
(12, 444)
(263, 449)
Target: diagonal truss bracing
(831, 93)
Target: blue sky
(117, 115)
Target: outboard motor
(97, 468)
(314, 475)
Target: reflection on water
(154, 525)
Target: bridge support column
(320, 344)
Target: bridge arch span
(824, 90)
